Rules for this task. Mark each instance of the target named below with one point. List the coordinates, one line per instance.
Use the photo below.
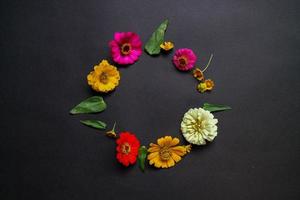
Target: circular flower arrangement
(198, 125)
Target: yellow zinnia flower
(165, 153)
(209, 84)
(201, 87)
(206, 85)
(167, 46)
(104, 78)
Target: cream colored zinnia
(199, 125)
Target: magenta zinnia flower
(184, 59)
(126, 48)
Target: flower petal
(175, 141)
(157, 163)
(180, 150)
(152, 155)
(176, 157)
(153, 149)
(171, 162)
(164, 164)
(161, 142)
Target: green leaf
(91, 105)
(215, 107)
(94, 124)
(142, 157)
(152, 47)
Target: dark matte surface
(47, 49)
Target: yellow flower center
(165, 153)
(126, 148)
(126, 48)
(103, 78)
(198, 125)
(182, 61)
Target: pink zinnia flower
(126, 48)
(184, 59)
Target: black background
(48, 48)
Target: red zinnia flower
(127, 149)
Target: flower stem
(209, 61)
(113, 129)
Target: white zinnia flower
(199, 125)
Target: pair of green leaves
(96, 104)
(152, 47)
(93, 104)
